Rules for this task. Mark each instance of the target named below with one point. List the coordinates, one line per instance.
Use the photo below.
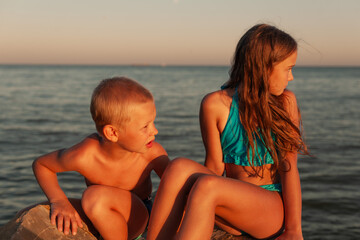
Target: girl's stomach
(248, 174)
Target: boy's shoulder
(88, 146)
(157, 158)
(93, 138)
(88, 143)
(155, 151)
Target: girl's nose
(291, 77)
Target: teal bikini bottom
(272, 187)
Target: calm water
(44, 108)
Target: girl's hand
(289, 235)
(64, 215)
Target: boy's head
(112, 99)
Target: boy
(116, 163)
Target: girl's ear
(110, 133)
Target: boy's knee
(91, 198)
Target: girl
(251, 132)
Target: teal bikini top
(234, 141)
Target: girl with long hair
(251, 130)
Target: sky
(171, 32)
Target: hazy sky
(181, 32)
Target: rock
(219, 234)
(33, 223)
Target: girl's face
(282, 74)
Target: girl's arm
(290, 180)
(210, 110)
(291, 192)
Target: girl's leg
(240, 205)
(115, 213)
(171, 197)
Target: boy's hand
(64, 214)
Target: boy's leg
(115, 213)
(170, 199)
(77, 205)
(243, 206)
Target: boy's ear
(110, 133)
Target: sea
(45, 108)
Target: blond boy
(116, 163)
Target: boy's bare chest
(127, 177)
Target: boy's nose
(155, 131)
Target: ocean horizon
(158, 65)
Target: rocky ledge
(33, 223)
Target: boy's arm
(160, 160)
(45, 169)
(290, 180)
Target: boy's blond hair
(111, 99)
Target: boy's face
(139, 133)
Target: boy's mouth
(149, 144)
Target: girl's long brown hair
(261, 113)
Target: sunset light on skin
(171, 32)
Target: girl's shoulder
(289, 94)
(289, 100)
(290, 106)
(218, 99)
(215, 106)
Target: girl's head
(260, 71)
(257, 52)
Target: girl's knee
(205, 189)
(186, 167)
(179, 164)
(206, 183)
(178, 170)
